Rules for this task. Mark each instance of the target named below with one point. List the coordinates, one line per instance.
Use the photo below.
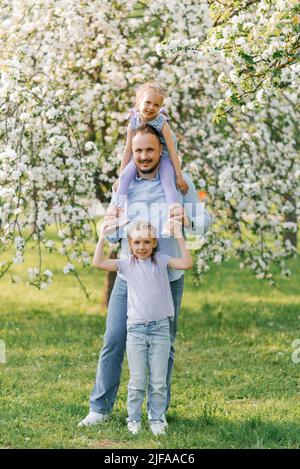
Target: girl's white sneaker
(157, 427)
(134, 427)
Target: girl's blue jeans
(148, 349)
(111, 358)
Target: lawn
(235, 384)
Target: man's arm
(199, 218)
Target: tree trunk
(110, 278)
(289, 234)
(291, 217)
(100, 190)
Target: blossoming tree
(260, 38)
(68, 69)
(249, 162)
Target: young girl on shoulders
(148, 109)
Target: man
(146, 199)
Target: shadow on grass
(200, 432)
(222, 432)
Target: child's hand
(105, 229)
(115, 185)
(111, 220)
(176, 228)
(181, 184)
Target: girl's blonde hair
(149, 85)
(140, 225)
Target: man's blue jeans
(148, 349)
(112, 353)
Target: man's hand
(176, 212)
(175, 228)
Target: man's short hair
(146, 129)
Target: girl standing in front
(148, 109)
(150, 308)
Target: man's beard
(150, 170)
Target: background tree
(68, 71)
(259, 38)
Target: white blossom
(68, 72)
(68, 268)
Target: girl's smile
(150, 105)
(141, 243)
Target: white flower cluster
(259, 39)
(68, 72)
(39, 279)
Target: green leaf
(278, 54)
(248, 58)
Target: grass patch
(234, 385)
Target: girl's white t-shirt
(148, 285)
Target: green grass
(234, 384)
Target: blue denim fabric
(148, 349)
(111, 358)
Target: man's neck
(148, 175)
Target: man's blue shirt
(146, 201)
